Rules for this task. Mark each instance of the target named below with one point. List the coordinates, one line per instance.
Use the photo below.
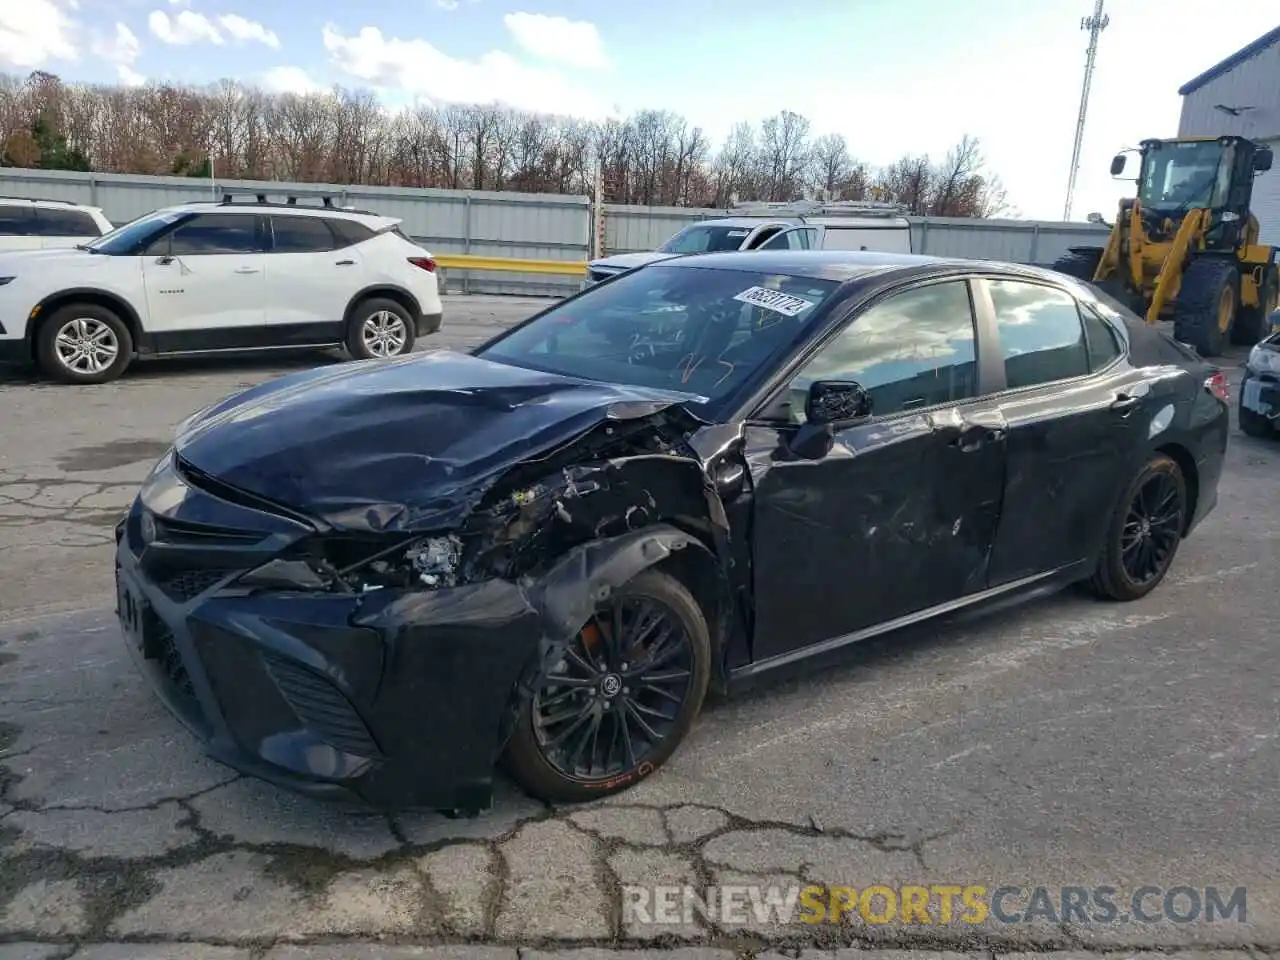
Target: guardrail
(452, 261)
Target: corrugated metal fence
(521, 225)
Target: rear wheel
(1254, 323)
(1207, 305)
(621, 699)
(1144, 534)
(379, 329)
(1080, 263)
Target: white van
(801, 225)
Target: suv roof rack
(70, 203)
(229, 195)
(818, 208)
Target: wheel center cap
(611, 685)
(1146, 528)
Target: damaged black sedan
(381, 579)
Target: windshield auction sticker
(783, 303)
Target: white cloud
(447, 4)
(35, 31)
(130, 77)
(290, 80)
(416, 67)
(248, 30)
(121, 50)
(575, 42)
(187, 27)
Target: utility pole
(1095, 25)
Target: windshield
(1186, 175)
(127, 238)
(704, 239)
(695, 330)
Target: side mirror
(1117, 164)
(836, 401)
(164, 260)
(1262, 160)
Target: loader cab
(1176, 176)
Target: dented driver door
(899, 513)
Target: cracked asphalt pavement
(1065, 742)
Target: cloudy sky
(893, 76)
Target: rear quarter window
(65, 223)
(347, 233)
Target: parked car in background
(225, 275)
(1260, 390)
(379, 579)
(27, 224)
(806, 225)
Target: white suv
(27, 224)
(225, 275)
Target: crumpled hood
(407, 444)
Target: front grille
(188, 584)
(322, 707)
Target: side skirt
(1010, 594)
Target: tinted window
(1040, 331)
(301, 235)
(348, 232)
(65, 223)
(915, 349)
(693, 330)
(1103, 343)
(700, 239)
(16, 220)
(212, 233)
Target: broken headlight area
(355, 565)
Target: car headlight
(345, 566)
(1264, 360)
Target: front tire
(1207, 306)
(611, 713)
(379, 329)
(83, 343)
(1144, 534)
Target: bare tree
(347, 136)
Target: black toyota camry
(380, 579)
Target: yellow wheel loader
(1186, 247)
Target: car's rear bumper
(429, 323)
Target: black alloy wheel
(620, 699)
(1146, 530)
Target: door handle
(975, 438)
(1125, 403)
(344, 263)
(247, 270)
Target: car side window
(1104, 346)
(349, 233)
(915, 349)
(212, 233)
(1040, 332)
(16, 220)
(65, 223)
(301, 235)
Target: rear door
(1077, 416)
(880, 239)
(18, 229)
(312, 274)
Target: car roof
(744, 221)
(373, 221)
(52, 204)
(844, 265)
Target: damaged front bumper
(1260, 393)
(395, 697)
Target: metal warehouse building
(1241, 95)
